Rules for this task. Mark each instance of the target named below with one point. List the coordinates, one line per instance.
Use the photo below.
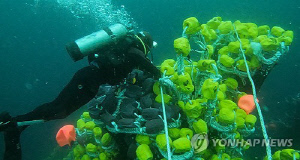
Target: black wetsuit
(111, 66)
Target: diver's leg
(80, 90)
(11, 137)
(12, 143)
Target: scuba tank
(94, 42)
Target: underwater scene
(149, 80)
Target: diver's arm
(139, 58)
(79, 91)
(258, 78)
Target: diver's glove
(6, 121)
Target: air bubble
(102, 11)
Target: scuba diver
(112, 54)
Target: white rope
(294, 155)
(180, 64)
(165, 121)
(183, 32)
(262, 123)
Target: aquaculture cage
(204, 96)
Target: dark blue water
(34, 65)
